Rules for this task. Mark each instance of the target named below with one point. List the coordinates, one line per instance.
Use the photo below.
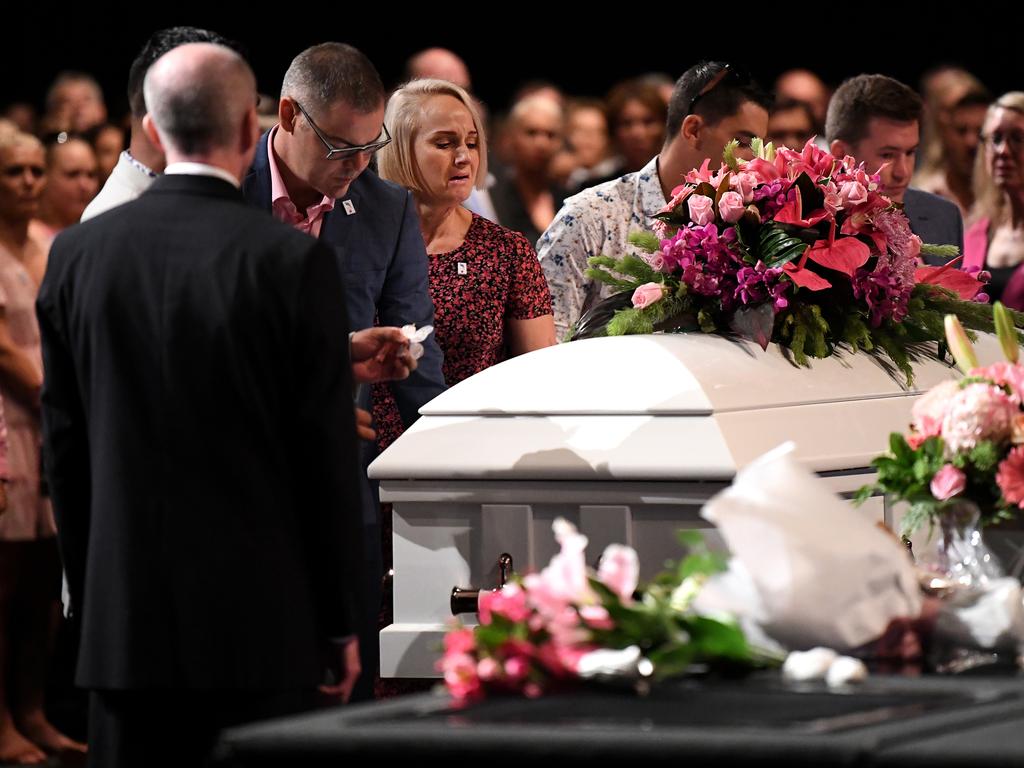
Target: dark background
(584, 50)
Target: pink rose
(656, 260)
(1010, 477)
(648, 293)
(1004, 374)
(702, 209)
(731, 207)
(460, 677)
(509, 601)
(620, 570)
(744, 183)
(833, 202)
(853, 193)
(948, 482)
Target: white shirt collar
(201, 169)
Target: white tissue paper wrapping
(818, 573)
(990, 618)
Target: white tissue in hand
(808, 665)
(845, 670)
(415, 337)
(825, 574)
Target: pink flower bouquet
(966, 438)
(552, 629)
(799, 248)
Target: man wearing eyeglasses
(712, 104)
(877, 120)
(312, 171)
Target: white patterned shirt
(595, 222)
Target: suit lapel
(339, 226)
(256, 184)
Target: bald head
(199, 97)
(439, 63)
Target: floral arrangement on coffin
(797, 248)
(552, 629)
(966, 438)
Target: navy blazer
(934, 219)
(383, 267)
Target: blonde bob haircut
(990, 202)
(396, 162)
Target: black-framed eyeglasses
(727, 72)
(336, 153)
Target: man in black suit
(200, 440)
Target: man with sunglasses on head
(877, 120)
(712, 104)
(312, 171)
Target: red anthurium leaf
(960, 283)
(806, 278)
(844, 255)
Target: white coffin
(626, 437)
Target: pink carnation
(977, 412)
(948, 482)
(1010, 477)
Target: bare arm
(524, 336)
(17, 372)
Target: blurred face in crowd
(535, 137)
(446, 150)
(1004, 149)
(342, 126)
(71, 180)
(22, 178)
(587, 134)
(890, 144)
(639, 133)
(749, 121)
(78, 106)
(960, 136)
(790, 128)
(108, 146)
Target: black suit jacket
(934, 219)
(199, 442)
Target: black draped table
(965, 721)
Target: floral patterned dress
(492, 277)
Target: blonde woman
(995, 241)
(490, 297)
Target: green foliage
(776, 246)
(645, 241)
(729, 155)
(942, 251)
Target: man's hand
(364, 425)
(381, 354)
(346, 669)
